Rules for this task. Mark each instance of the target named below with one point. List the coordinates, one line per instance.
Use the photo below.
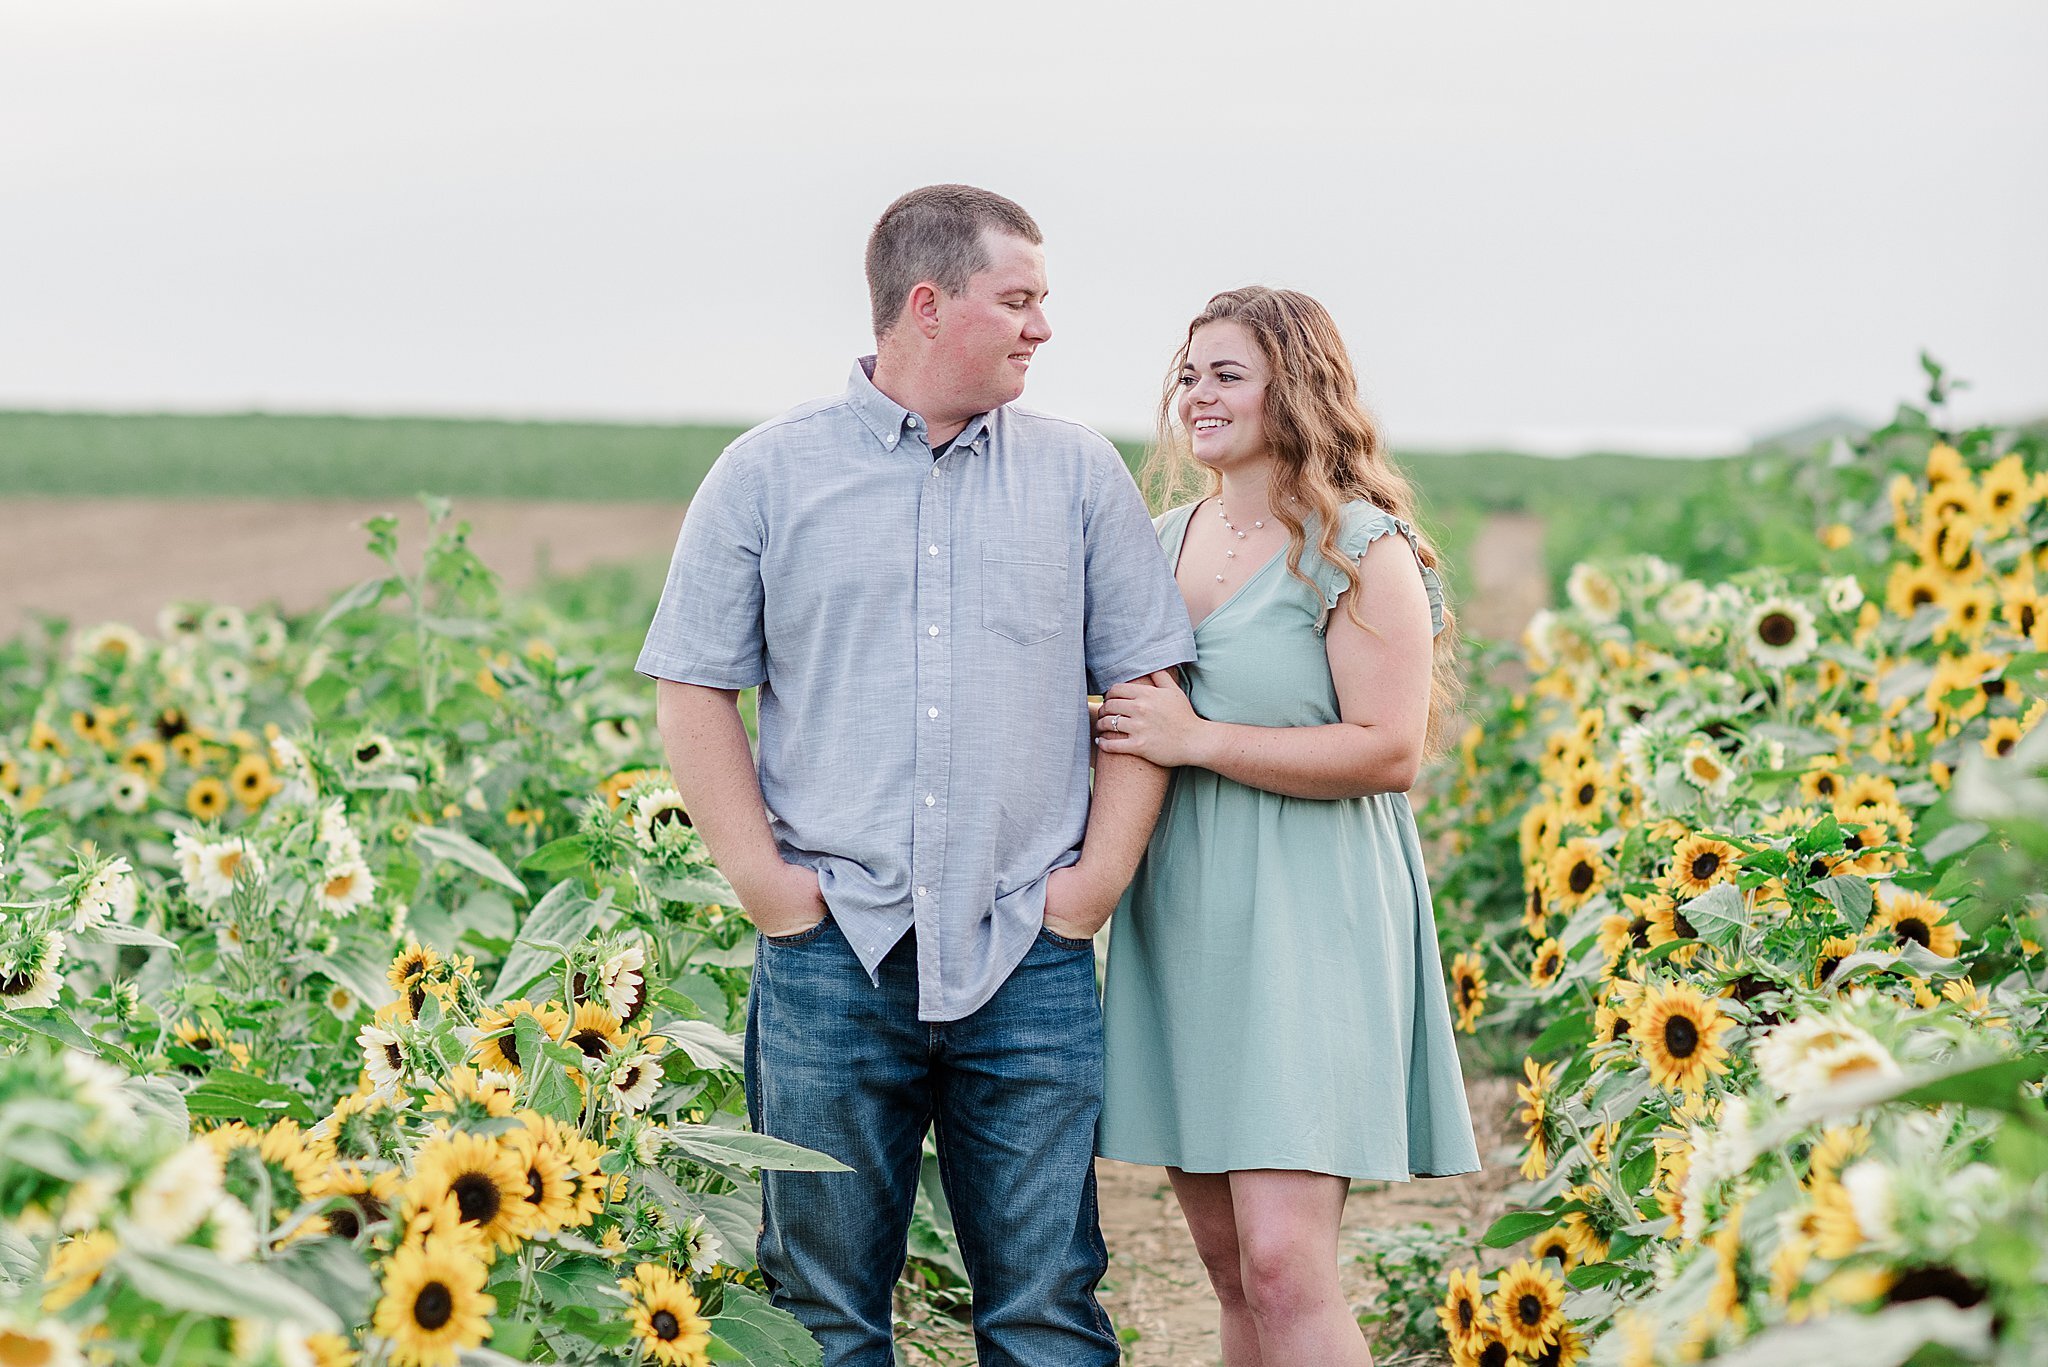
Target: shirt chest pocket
(1024, 588)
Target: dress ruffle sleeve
(1364, 524)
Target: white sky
(1555, 224)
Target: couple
(926, 582)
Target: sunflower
(1609, 1025)
(665, 1318)
(1915, 916)
(1548, 964)
(371, 751)
(615, 788)
(1552, 1244)
(1534, 1095)
(497, 1046)
(2025, 611)
(385, 1053)
(44, 1343)
(1779, 633)
(290, 1169)
(1668, 925)
(367, 1195)
(1528, 1304)
(1678, 1034)
(207, 798)
(484, 1177)
(1577, 872)
(1463, 1310)
(409, 972)
(147, 758)
(1535, 905)
(1829, 957)
(2003, 735)
(551, 1179)
(252, 781)
(596, 1031)
(630, 1084)
(1706, 769)
(468, 1098)
(1489, 1349)
(1539, 832)
(1970, 608)
(1699, 862)
(433, 1304)
(659, 820)
(1835, 1229)
(1584, 793)
(1563, 1351)
(1468, 990)
(75, 1267)
(2006, 495)
(202, 1039)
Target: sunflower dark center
(433, 1307)
(1467, 987)
(394, 1057)
(1993, 688)
(2027, 619)
(2005, 744)
(666, 1326)
(1777, 629)
(669, 816)
(1639, 932)
(1467, 1312)
(634, 1004)
(592, 1042)
(508, 1045)
(1587, 792)
(536, 1188)
(1529, 1309)
(367, 754)
(345, 1224)
(14, 984)
(1705, 865)
(477, 1197)
(1914, 929)
(1620, 1027)
(1937, 1282)
(1494, 1354)
(1921, 596)
(629, 1079)
(1681, 927)
(1581, 879)
(1828, 965)
(1681, 1037)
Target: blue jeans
(836, 1064)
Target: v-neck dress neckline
(1180, 544)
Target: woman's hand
(1152, 719)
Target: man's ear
(923, 308)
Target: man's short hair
(935, 234)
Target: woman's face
(1223, 395)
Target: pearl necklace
(1230, 552)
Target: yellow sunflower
(1583, 793)
(1699, 863)
(2002, 735)
(1548, 964)
(1563, 1351)
(1463, 1310)
(1915, 916)
(485, 1179)
(1489, 1349)
(1534, 1095)
(1539, 832)
(1535, 905)
(1577, 872)
(1586, 1238)
(146, 757)
(1820, 782)
(409, 973)
(496, 1046)
(1970, 608)
(1678, 1033)
(369, 1196)
(665, 1318)
(433, 1304)
(252, 781)
(2006, 494)
(1668, 924)
(206, 799)
(551, 1179)
(1528, 1304)
(1552, 1244)
(1468, 990)
(596, 1031)
(75, 1267)
(1832, 951)
(1836, 1232)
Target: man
(924, 580)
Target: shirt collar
(888, 419)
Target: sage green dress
(1275, 997)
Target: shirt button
(932, 712)
(921, 892)
(911, 420)
(935, 471)
(931, 550)
(931, 631)
(929, 799)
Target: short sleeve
(707, 629)
(1136, 621)
(1363, 525)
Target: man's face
(988, 331)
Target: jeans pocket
(801, 937)
(1059, 941)
(1024, 588)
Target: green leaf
(704, 887)
(1952, 841)
(548, 1090)
(115, 933)
(186, 1278)
(1883, 1339)
(226, 1094)
(1568, 1031)
(20, 1265)
(743, 1148)
(748, 1329)
(1718, 914)
(736, 1218)
(1515, 1226)
(564, 916)
(1991, 1086)
(557, 856)
(457, 848)
(367, 594)
(706, 1044)
(1850, 896)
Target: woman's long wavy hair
(1326, 452)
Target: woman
(1275, 1015)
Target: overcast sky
(1553, 224)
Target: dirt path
(1508, 579)
(96, 560)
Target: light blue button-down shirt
(925, 632)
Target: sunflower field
(1748, 876)
(366, 997)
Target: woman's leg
(1205, 1201)
(1287, 1225)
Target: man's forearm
(706, 744)
(1121, 813)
